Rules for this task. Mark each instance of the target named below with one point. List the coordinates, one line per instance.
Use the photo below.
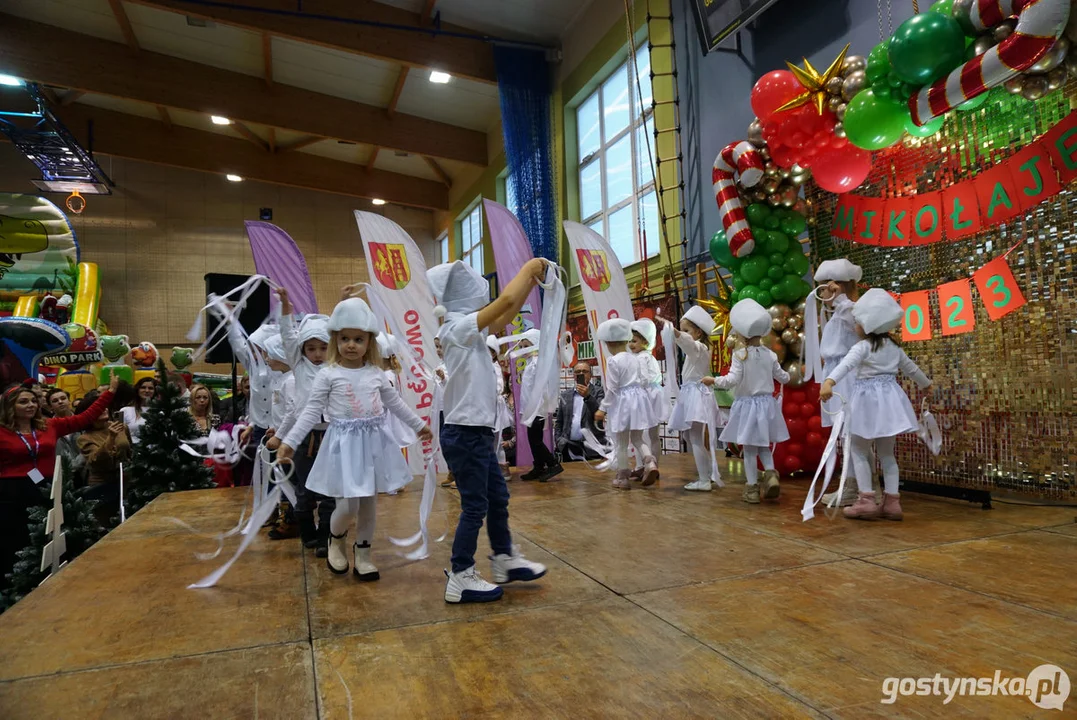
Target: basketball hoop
(75, 202)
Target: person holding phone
(576, 411)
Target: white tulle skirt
(631, 409)
(359, 458)
(880, 408)
(755, 420)
(659, 402)
(843, 388)
(403, 435)
(695, 404)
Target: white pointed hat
(614, 330)
(274, 347)
(646, 328)
(877, 312)
(700, 318)
(840, 270)
(354, 314)
(458, 288)
(314, 327)
(750, 319)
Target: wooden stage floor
(658, 604)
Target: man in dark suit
(575, 412)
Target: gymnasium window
(471, 237)
(616, 186)
(443, 247)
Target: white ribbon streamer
(123, 510)
(813, 327)
(607, 450)
(542, 400)
(669, 341)
(929, 431)
(227, 309)
(827, 463)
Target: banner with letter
(602, 280)
(401, 293)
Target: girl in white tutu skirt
(879, 410)
(755, 420)
(360, 456)
(626, 408)
(644, 334)
(696, 409)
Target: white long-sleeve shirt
(697, 358)
(889, 359)
(344, 394)
(839, 334)
(753, 372)
(283, 398)
(622, 370)
(650, 370)
(262, 379)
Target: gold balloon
(982, 44)
(1003, 30)
(1052, 58)
(839, 130)
(1056, 78)
(770, 185)
(777, 324)
(774, 199)
(853, 63)
(833, 102)
(800, 307)
(755, 134)
(770, 170)
(840, 112)
(1071, 61)
(789, 336)
(796, 347)
(1035, 87)
(796, 373)
(771, 341)
(796, 322)
(779, 311)
(833, 85)
(1015, 85)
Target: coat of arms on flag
(391, 265)
(594, 269)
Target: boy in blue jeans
(470, 407)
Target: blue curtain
(526, 90)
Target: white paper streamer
(606, 450)
(123, 510)
(928, 430)
(827, 463)
(813, 328)
(669, 341)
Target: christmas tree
(158, 465)
(80, 526)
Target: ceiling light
(377, 201)
(10, 81)
(218, 120)
(436, 76)
(232, 177)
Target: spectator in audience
(59, 402)
(27, 460)
(201, 407)
(104, 446)
(235, 409)
(40, 396)
(576, 412)
(145, 389)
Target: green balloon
(766, 284)
(944, 7)
(764, 298)
(776, 272)
(881, 90)
(757, 213)
(771, 223)
(925, 47)
(878, 63)
(973, 103)
(797, 261)
(793, 225)
(738, 281)
(778, 242)
(776, 258)
(754, 269)
(720, 252)
(926, 130)
(735, 295)
(873, 124)
(750, 292)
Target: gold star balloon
(814, 83)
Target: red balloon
(815, 424)
(796, 396)
(790, 464)
(798, 428)
(811, 393)
(807, 409)
(794, 448)
(790, 409)
(841, 169)
(814, 442)
(772, 91)
(783, 156)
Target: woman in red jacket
(27, 456)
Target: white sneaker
(363, 568)
(510, 568)
(701, 485)
(337, 559)
(467, 586)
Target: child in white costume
(696, 408)
(545, 465)
(504, 415)
(755, 420)
(644, 334)
(470, 418)
(359, 456)
(879, 408)
(626, 407)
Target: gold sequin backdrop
(1007, 399)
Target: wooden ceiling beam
(162, 112)
(359, 26)
(373, 158)
(71, 96)
(250, 135)
(137, 138)
(439, 171)
(267, 57)
(173, 82)
(125, 25)
(299, 144)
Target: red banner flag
(1061, 143)
(845, 217)
(869, 221)
(996, 193)
(960, 210)
(955, 307)
(1034, 178)
(926, 219)
(998, 288)
(917, 322)
(898, 225)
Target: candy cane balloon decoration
(1039, 24)
(743, 158)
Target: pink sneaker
(863, 509)
(650, 471)
(891, 507)
(621, 481)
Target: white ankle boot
(650, 471)
(364, 568)
(337, 559)
(700, 485)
